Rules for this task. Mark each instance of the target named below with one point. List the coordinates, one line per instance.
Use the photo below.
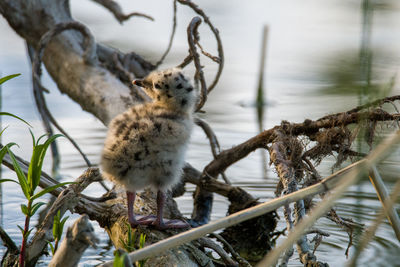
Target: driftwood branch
(78, 238)
(66, 200)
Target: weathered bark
(78, 238)
(94, 87)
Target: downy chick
(145, 145)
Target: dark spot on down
(179, 86)
(146, 150)
(158, 126)
(158, 86)
(136, 156)
(176, 79)
(169, 96)
(124, 171)
(189, 89)
(167, 86)
(120, 129)
(134, 125)
(168, 116)
(142, 139)
(183, 102)
(158, 98)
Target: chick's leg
(160, 223)
(130, 196)
(134, 219)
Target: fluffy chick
(145, 145)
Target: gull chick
(145, 145)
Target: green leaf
(2, 131)
(28, 233)
(49, 189)
(24, 209)
(4, 79)
(35, 166)
(21, 176)
(35, 207)
(51, 247)
(21, 229)
(37, 142)
(33, 138)
(3, 150)
(62, 225)
(142, 240)
(8, 180)
(15, 116)
(56, 225)
(119, 260)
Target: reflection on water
(305, 45)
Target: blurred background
(322, 57)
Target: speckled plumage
(146, 144)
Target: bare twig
(171, 38)
(116, 10)
(185, 62)
(217, 37)
(228, 246)
(214, 144)
(208, 243)
(191, 33)
(89, 56)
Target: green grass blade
(8, 180)
(49, 189)
(4, 79)
(21, 176)
(15, 116)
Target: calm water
(311, 44)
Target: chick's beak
(138, 83)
